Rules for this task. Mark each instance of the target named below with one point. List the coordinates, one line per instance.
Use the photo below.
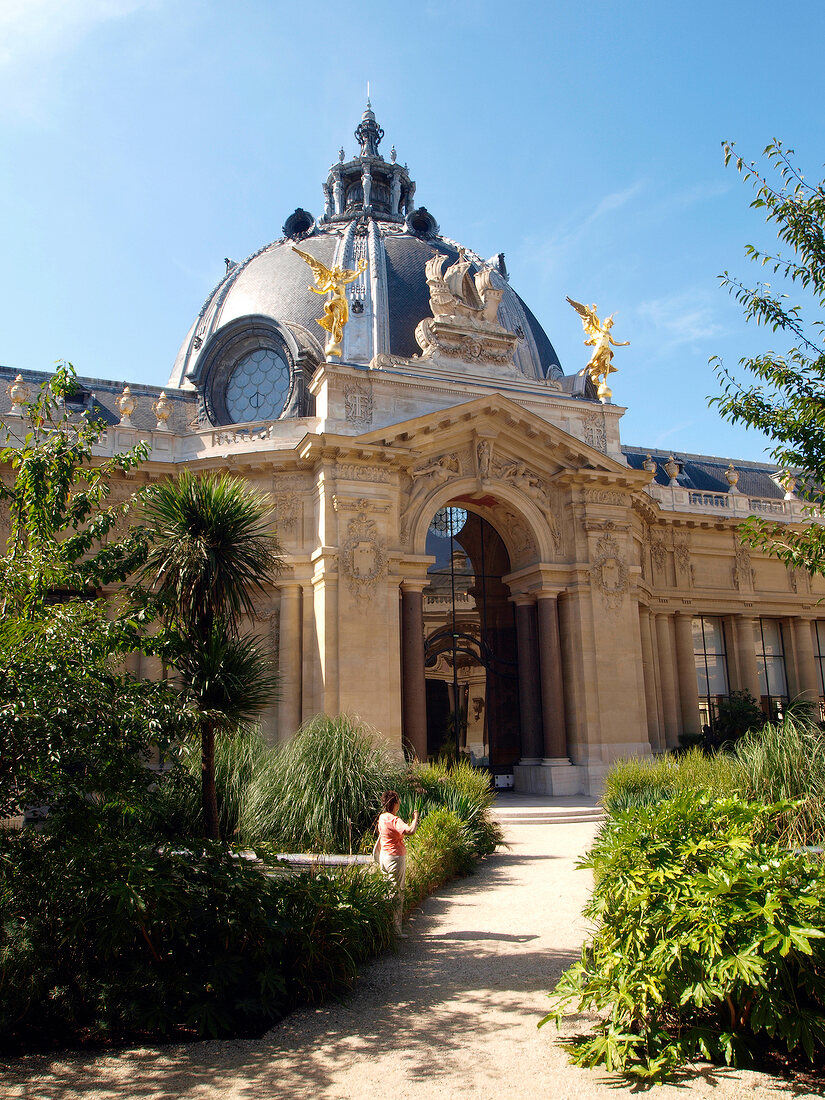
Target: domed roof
(369, 213)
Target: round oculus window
(258, 387)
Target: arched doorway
(470, 658)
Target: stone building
(471, 552)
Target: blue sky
(145, 140)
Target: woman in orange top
(392, 855)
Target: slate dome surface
(369, 212)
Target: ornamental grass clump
(635, 782)
(707, 941)
(460, 788)
(327, 784)
(786, 761)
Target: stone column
(746, 656)
(686, 669)
(805, 672)
(667, 672)
(654, 732)
(532, 743)
(552, 688)
(413, 685)
(309, 654)
(289, 662)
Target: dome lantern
(368, 184)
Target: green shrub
(707, 941)
(113, 941)
(441, 849)
(326, 786)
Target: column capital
(414, 584)
(523, 599)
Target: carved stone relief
(359, 504)
(358, 404)
(658, 550)
(609, 572)
(742, 573)
(363, 557)
(268, 615)
(595, 433)
(287, 510)
(520, 537)
(681, 554)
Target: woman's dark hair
(388, 800)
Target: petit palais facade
(471, 553)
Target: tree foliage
(785, 397)
(211, 550)
(75, 728)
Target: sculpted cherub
(336, 310)
(599, 338)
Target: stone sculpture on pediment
(363, 557)
(434, 472)
(484, 458)
(464, 323)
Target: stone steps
(550, 817)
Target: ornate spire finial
(369, 133)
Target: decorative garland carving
(609, 572)
(363, 558)
(658, 550)
(681, 553)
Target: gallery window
(819, 655)
(770, 661)
(711, 660)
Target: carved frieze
(350, 471)
(363, 557)
(606, 496)
(357, 504)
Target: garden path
(452, 1014)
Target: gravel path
(453, 1014)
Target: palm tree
(211, 551)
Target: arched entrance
(470, 654)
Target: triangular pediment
(515, 432)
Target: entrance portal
(471, 667)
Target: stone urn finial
(162, 408)
(19, 394)
(650, 465)
(127, 405)
(672, 469)
(732, 478)
(789, 481)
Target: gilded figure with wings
(336, 310)
(598, 337)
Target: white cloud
(613, 201)
(36, 30)
(679, 319)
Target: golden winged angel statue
(336, 311)
(599, 338)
